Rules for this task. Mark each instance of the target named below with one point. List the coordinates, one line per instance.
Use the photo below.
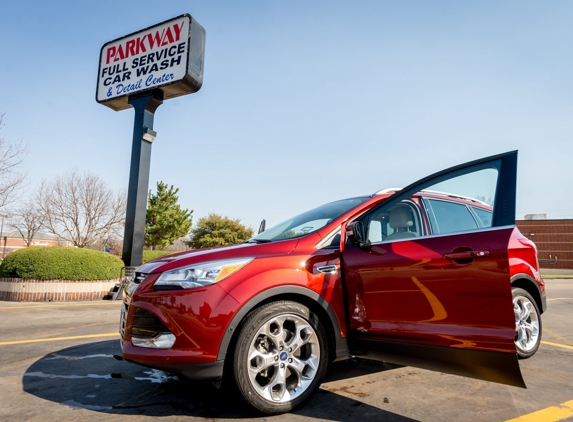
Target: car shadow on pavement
(89, 377)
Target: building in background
(554, 239)
(11, 241)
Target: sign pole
(143, 136)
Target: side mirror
(355, 233)
(263, 226)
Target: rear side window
(485, 216)
(450, 217)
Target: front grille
(146, 324)
(123, 319)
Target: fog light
(160, 341)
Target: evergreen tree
(165, 220)
(216, 230)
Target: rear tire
(280, 358)
(527, 323)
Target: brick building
(554, 240)
(11, 241)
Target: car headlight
(199, 275)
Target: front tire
(280, 357)
(527, 323)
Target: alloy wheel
(527, 324)
(283, 358)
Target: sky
(303, 102)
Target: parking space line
(557, 337)
(560, 298)
(4, 308)
(41, 340)
(550, 414)
(547, 343)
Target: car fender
(526, 282)
(280, 293)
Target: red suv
(419, 276)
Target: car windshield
(309, 221)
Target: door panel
(434, 300)
(408, 291)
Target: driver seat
(401, 221)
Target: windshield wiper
(258, 241)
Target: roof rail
(455, 195)
(435, 192)
(387, 190)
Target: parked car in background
(422, 276)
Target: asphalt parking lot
(57, 364)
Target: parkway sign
(167, 56)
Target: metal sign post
(143, 136)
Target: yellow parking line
(547, 343)
(557, 337)
(560, 298)
(2, 308)
(40, 340)
(550, 414)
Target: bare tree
(112, 243)
(81, 208)
(11, 179)
(27, 220)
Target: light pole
(2, 233)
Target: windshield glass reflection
(309, 221)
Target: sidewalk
(556, 273)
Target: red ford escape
(422, 276)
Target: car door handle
(328, 269)
(466, 255)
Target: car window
(309, 221)
(484, 216)
(444, 207)
(397, 222)
(449, 217)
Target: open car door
(426, 274)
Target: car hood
(180, 259)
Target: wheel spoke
(300, 338)
(297, 366)
(277, 387)
(526, 310)
(530, 328)
(305, 369)
(261, 361)
(523, 337)
(274, 328)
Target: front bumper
(197, 371)
(197, 318)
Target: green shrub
(151, 255)
(55, 263)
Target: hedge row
(56, 263)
